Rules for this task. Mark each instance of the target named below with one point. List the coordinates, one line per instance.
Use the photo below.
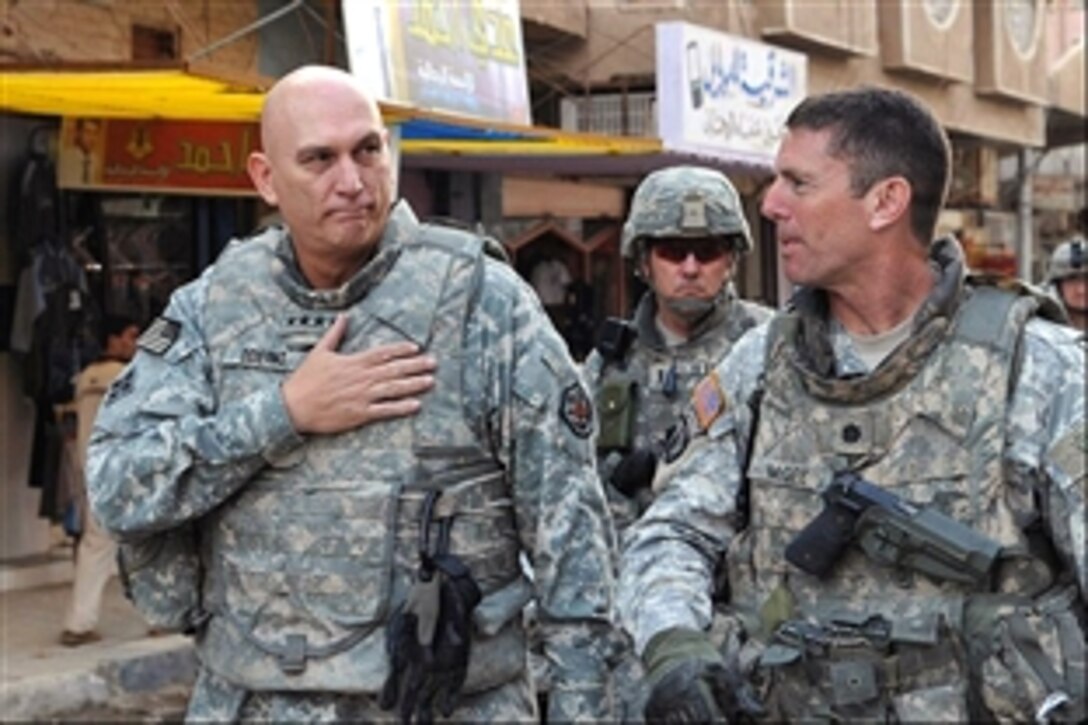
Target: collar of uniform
(814, 356)
(949, 271)
(410, 291)
(402, 222)
(646, 314)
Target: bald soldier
(332, 449)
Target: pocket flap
(614, 398)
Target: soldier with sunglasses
(685, 233)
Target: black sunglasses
(677, 250)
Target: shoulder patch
(708, 400)
(159, 336)
(576, 410)
(121, 387)
(676, 440)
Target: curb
(126, 678)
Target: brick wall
(40, 31)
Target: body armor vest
(664, 377)
(927, 425)
(305, 565)
(639, 396)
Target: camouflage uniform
(664, 377)
(650, 376)
(307, 544)
(980, 414)
(653, 378)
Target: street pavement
(128, 675)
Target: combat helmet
(1069, 260)
(685, 201)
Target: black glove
(422, 675)
(409, 662)
(634, 472)
(459, 595)
(690, 682)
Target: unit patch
(576, 410)
(708, 400)
(159, 336)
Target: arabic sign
(465, 57)
(197, 156)
(724, 95)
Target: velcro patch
(576, 410)
(676, 439)
(256, 357)
(121, 387)
(708, 400)
(1069, 451)
(159, 336)
(694, 213)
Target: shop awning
(186, 92)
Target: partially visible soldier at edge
(913, 549)
(1067, 280)
(365, 421)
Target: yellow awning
(184, 92)
(168, 93)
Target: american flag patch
(159, 336)
(708, 400)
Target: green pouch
(616, 409)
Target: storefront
(161, 185)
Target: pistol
(891, 531)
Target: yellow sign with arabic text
(463, 57)
(156, 155)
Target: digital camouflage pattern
(302, 567)
(931, 423)
(681, 201)
(664, 378)
(685, 201)
(514, 702)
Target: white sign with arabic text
(725, 95)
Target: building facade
(1006, 78)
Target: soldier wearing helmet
(1067, 279)
(685, 232)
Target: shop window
(608, 275)
(149, 252)
(579, 282)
